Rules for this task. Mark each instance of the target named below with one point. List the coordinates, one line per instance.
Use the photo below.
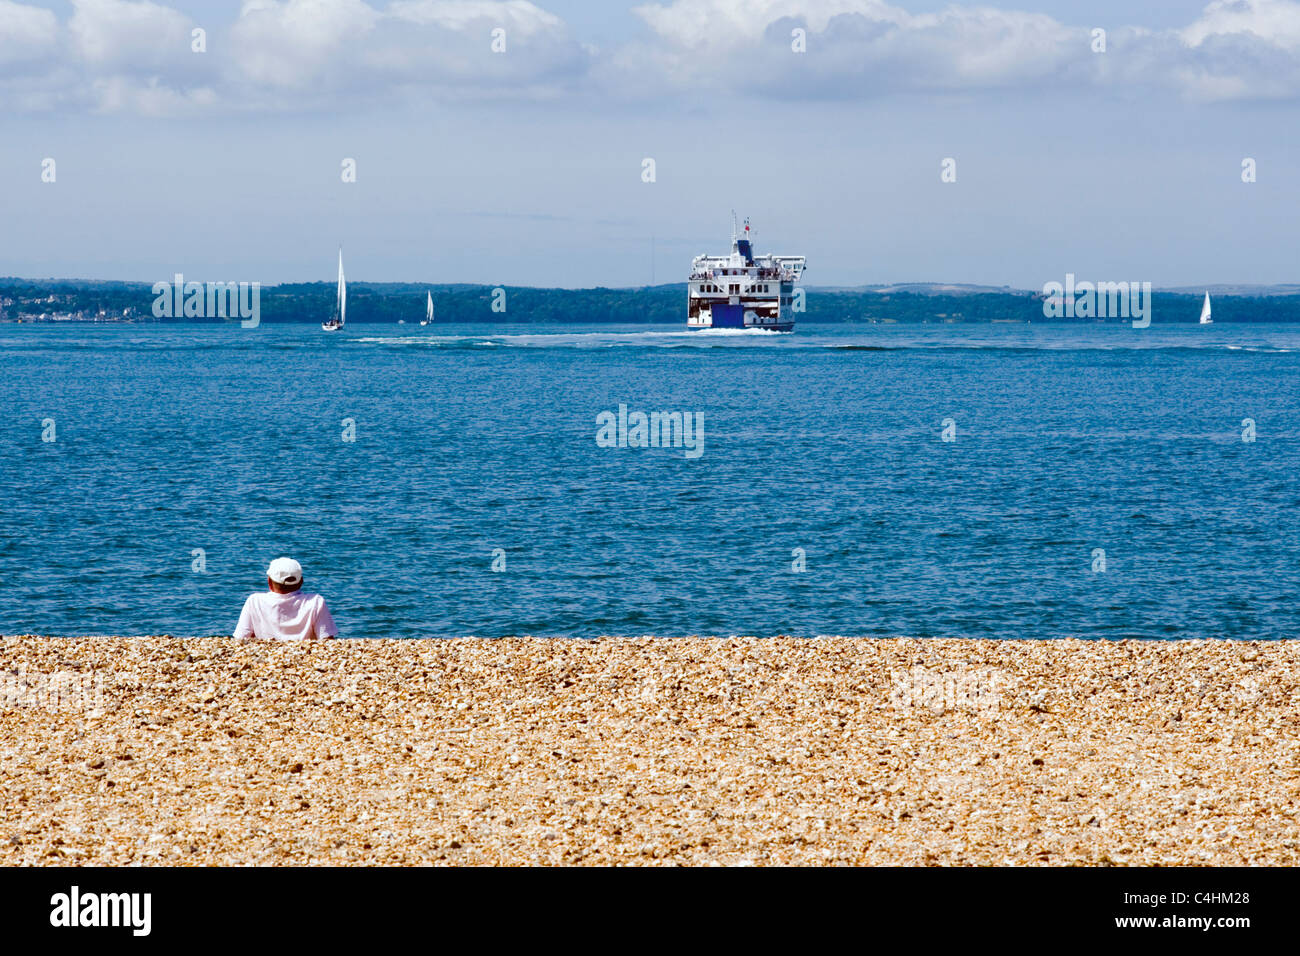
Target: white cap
(285, 571)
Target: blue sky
(525, 167)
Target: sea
(995, 481)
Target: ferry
(743, 291)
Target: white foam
(570, 339)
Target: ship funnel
(743, 245)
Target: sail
(1205, 310)
(343, 293)
(428, 313)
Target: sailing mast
(343, 293)
(341, 317)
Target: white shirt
(296, 616)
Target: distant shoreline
(50, 301)
(1265, 289)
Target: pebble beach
(696, 751)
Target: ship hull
(732, 315)
(768, 327)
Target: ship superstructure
(742, 290)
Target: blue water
(468, 439)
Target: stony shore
(692, 751)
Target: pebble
(655, 751)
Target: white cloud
(853, 47)
(133, 36)
(518, 17)
(149, 97)
(720, 24)
(1240, 50)
(134, 55)
(291, 43)
(1272, 21)
(347, 49)
(110, 54)
(26, 34)
(1236, 49)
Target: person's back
(285, 612)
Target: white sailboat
(1205, 310)
(428, 312)
(341, 316)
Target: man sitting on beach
(285, 613)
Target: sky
(827, 122)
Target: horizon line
(1220, 288)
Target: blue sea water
(1069, 440)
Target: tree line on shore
(663, 305)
